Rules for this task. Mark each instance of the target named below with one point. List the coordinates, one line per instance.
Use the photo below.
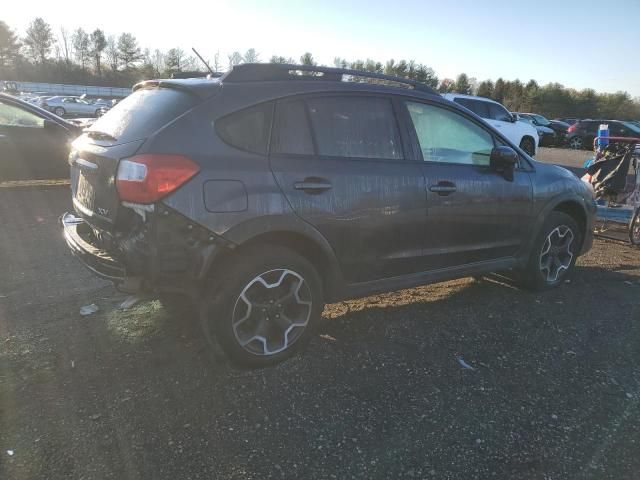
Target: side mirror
(503, 160)
(514, 117)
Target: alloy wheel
(575, 143)
(556, 255)
(272, 312)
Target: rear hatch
(117, 135)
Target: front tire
(528, 146)
(267, 307)
(554, 252)
(59, 111)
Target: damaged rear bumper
(78, 235)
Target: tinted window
(143, 112)
(448, 137)
(247, 129)
(478, 107)
(12, 116)
(498, 112)
(292, 134)
(362, 127)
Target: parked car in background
(522, 134)
(582, 133)
(34, 143)
(260, 196)
(546, 136)
(71, 106)
(559, 128)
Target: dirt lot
(554, 392)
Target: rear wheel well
(300, 244)
(575, 211)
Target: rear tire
(266, 308)
(528, 146)
(554, 253)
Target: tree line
(96, 58)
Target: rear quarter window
(247, 129)
(143, 113)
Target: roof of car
(288, 75)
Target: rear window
(143, 112)
(247, 129)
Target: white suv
(520, 133)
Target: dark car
(560, 129)
(583, 133)
(34, 143)
(264, 194)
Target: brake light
(148, 178)
(572, 128)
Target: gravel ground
(552, 391)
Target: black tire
(528, 146)
(178, 305)
(634, 228)
(98, 112)
(534, 276)
(59, 111)
(575, 143)
(222, 306)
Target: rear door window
(291, 131)
(247, 129)
(144, 112)
(360, 127)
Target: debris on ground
(464, 364)
(10, 453)
(89, 309)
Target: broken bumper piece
(79, 236)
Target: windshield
(540, 120)
(634, 127)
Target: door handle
(312, 185)
(443, 188)
(2, 136)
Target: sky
(549, 41)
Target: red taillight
(572, 128)
(148, 178)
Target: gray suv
(259, 196)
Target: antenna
(205, 63)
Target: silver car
(72, 106)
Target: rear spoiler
(202, 88)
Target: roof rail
(254, 72)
